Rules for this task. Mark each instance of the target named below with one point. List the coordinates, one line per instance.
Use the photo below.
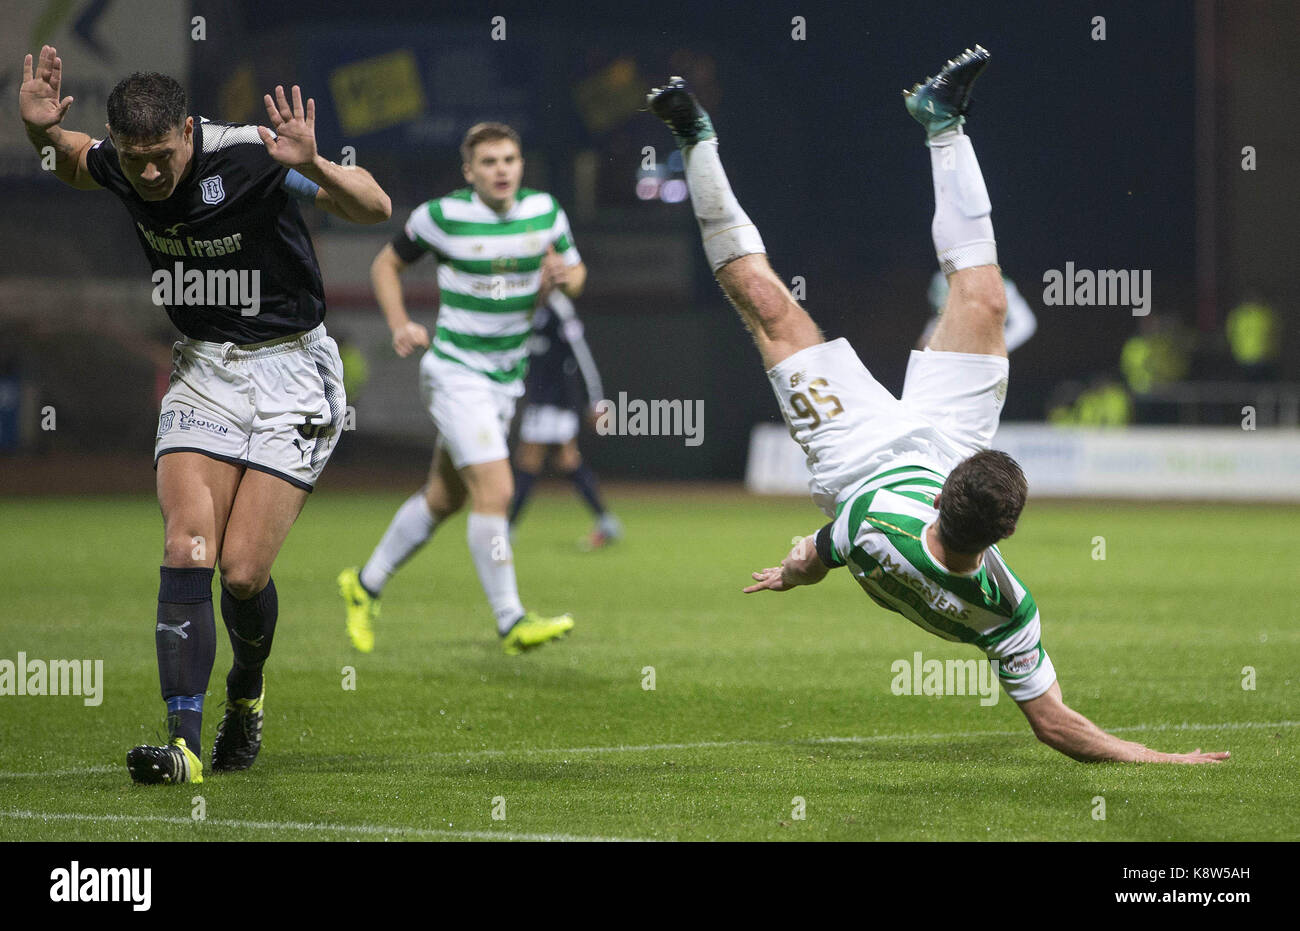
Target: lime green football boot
(940, 103)
(164, 765)
(362, 608)
(239, 735)
(532, 630)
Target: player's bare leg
(567, 456)
(445, 492)
(974, 317)
(531, 457)
(735, 250)
(780, 327)
(263, 513)
(195, 494)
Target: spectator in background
(1254, 333)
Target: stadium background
(1123, 153)
(1171, 623)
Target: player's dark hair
(145, 106)
(981, 502)
(486, 132)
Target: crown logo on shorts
(795, 379)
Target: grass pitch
(759, 700)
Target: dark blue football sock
(585, 481)
(185, 719)
(523, 488)
(251, 625)
(186, 640)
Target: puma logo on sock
(175, 629)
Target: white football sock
(489, 546)
(410, 529)
(727, 231)
(962, 229)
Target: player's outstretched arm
(801, 566)
(1064, 729)
(42, 110)
(347, 191)
(384, 271)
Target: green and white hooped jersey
(489, 272)
(879, 533)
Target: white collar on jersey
(503, 217)
(925, 532)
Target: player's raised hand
(293, 141)
(409, 337)
(38, 95)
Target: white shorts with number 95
(851, 427)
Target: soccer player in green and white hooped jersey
(918, 500)
(500, 249)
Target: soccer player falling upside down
(918, 500)
(256, 398)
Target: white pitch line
(1231, 726)
(793, 742)
(49, 773)
(366, 829)
(754, 742)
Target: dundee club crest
(213, 192)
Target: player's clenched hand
(409, 337)
(554, 272)
(38, 95)
(294, 141)
(772, 580)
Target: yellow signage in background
(378, 92)
(240, 98)
(610, 96)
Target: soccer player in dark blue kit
(561, 388)
(256, 398)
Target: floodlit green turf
(759, 699)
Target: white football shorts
(548, 425)
(471, 411)
(851, 427)
(277, 407)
